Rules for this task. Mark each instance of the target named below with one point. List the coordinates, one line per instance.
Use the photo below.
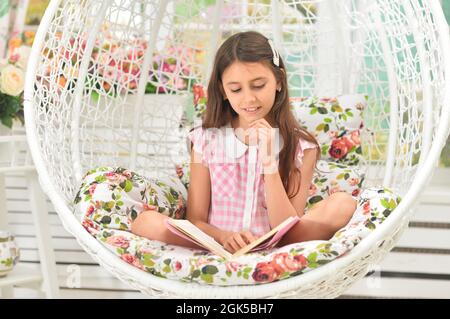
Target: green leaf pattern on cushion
(335, 122)
(123, 195)
(330, 178)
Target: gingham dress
(237, 185)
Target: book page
(185, 229)
(267, 242)
(195, 234)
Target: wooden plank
(25, 218)
(416, 263)
(375, 286)
(63, 270)
(29, 229)
(436, 194)
(18, 206)
(432, 213)
(58, 243)
(425, 238)
(62, 256)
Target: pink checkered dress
(237, 185)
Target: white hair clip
(276, 56)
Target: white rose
(24, 55)
(12, 80)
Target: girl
(251, 162)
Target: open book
(185, 229)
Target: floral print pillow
(335, 122)
(330, 177)
(113, 197)
(194, 265)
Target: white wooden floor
(418, 267)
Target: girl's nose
(249, 97)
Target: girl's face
(250, 88)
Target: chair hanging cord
(276, 56)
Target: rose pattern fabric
(110, 199)
(336, 124)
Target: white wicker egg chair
(395, 51)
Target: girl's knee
(149, 224)
(342, 207)
(343, 200)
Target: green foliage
(11, 108)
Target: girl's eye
(256, 87)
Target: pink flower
(265, 272)
(328, 99)
(232, 266)
(353, 181)
(355, 138)
(89, 211)
(366, 208)
(202, 261)
(90, 226)
(180, 84)
(356, 192)
(118, 241)
(92, 189)
(297, 99)
(312, 190)
(127, 173)
(340, 147)
(198, 92)
(13, 58)
(179, 171)
(115, 178)
(284, 262)
(132, 260)
(177, 266)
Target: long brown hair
(252, 46)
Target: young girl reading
(251, 162)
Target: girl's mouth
(252, 110)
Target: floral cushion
(124, 194)
(335, 122)
(97, 205)
(330, 177)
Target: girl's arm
(199, 198)
(279, 206)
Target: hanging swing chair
(111, 83)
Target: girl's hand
(233, 241)
(266, 136)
